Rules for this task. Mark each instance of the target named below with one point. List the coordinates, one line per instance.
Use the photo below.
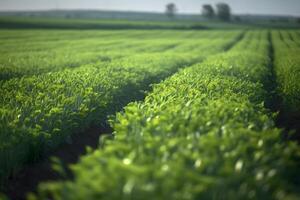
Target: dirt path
(288, 121)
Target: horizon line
(137, 11)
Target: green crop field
(195, 114)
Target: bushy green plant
(203, 133)
(41, 111)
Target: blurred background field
(100, 19)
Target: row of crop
(40, 112)
(287, 68)
(16, 64)
(37, 40)
(27, 37)
(38, 57)
(203, 133)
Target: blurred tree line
(222, 11)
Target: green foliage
(52, 100)
(203, 133)
(49, 51)
(287, 68)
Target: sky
(281, 7)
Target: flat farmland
(191, 114)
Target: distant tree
(208, 11)
(223, 11)
(237, 18)
(68, 16)
(171, 10)
(298, 20)
(273, 20)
